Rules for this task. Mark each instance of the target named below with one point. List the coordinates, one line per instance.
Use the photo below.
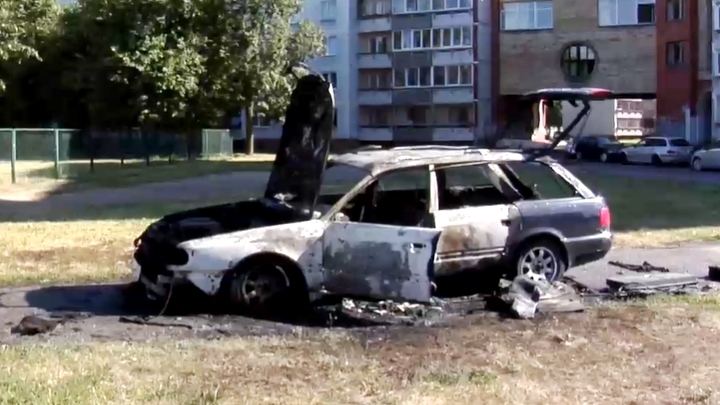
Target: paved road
(242, 182)
(692, 259)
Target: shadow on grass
(129, 300)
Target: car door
(634, 152)
(476, 217)
(384, 256)
(711, 158)
(654, 146)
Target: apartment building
(423, 70)
(640, 49)
(406, 71)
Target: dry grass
(77, 175)
(664, 354)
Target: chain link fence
(27, 153)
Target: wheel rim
(541, 261)
(258, 287)
(603, 157)
(696, 164)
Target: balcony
(375, 97)
(374, 25)
(374, 61)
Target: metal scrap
(649, 284)
(645, 267)
(530, 294)
(34, 325)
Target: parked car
(707, 157)
(602, 148)
(375, 223)
(658, 150)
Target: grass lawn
(642, 353)
(76, 175)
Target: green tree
(184, 64)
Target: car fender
(210, 258)
(527, 234)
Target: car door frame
(634, 152)
(397, 261)
(473, 236)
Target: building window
(716, 107)
(716, 16)
(375, 116)
(675, 53)
(716, 62)
(438, 38)
(423, 6)
(331, 77)
(537, 15)
(328, 10)
(374, 7)
(626, 12)
(578, 62)
(440, 76)
(418, 115)
(378, 45)
(331, 45)
(374, 80)
(453, 116)
(675, 10)
(260, 120)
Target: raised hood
(305, 143)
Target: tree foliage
(172, 64)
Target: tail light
(605, 218)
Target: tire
(262, 287)
(535, 251)
(656, 161)
(604, 157)
(696, 165)
(624, 159)
(578, 156)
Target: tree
(23, 25)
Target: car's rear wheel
(656, 160)
(624, 159)
(604, 157)
(578, 155)
(261, 287)
(696, 165)
(543, 257)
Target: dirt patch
(639, 354)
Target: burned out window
(542, 179)
(413, 179)
(468, 186)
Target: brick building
(640, 49)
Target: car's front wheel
(543, 257)
(656, 161)
(696, 165)
(604, 157)
(262, 287)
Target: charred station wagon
(375, 223)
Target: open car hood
(305, 143)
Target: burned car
(374, 223)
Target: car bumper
(675, 159)
(588, 249)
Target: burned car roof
(379, 160)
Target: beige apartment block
(615, 54)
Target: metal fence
(47, 150)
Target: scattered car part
(31, 325)
(645, 267)
(652, 283)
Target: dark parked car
(376, 224)
(601, 148)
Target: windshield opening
(679, 142)
(606, 141)
(338, 180)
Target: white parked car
(706, 158)
(658, 150)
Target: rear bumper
(675, 159)
(588, 249)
